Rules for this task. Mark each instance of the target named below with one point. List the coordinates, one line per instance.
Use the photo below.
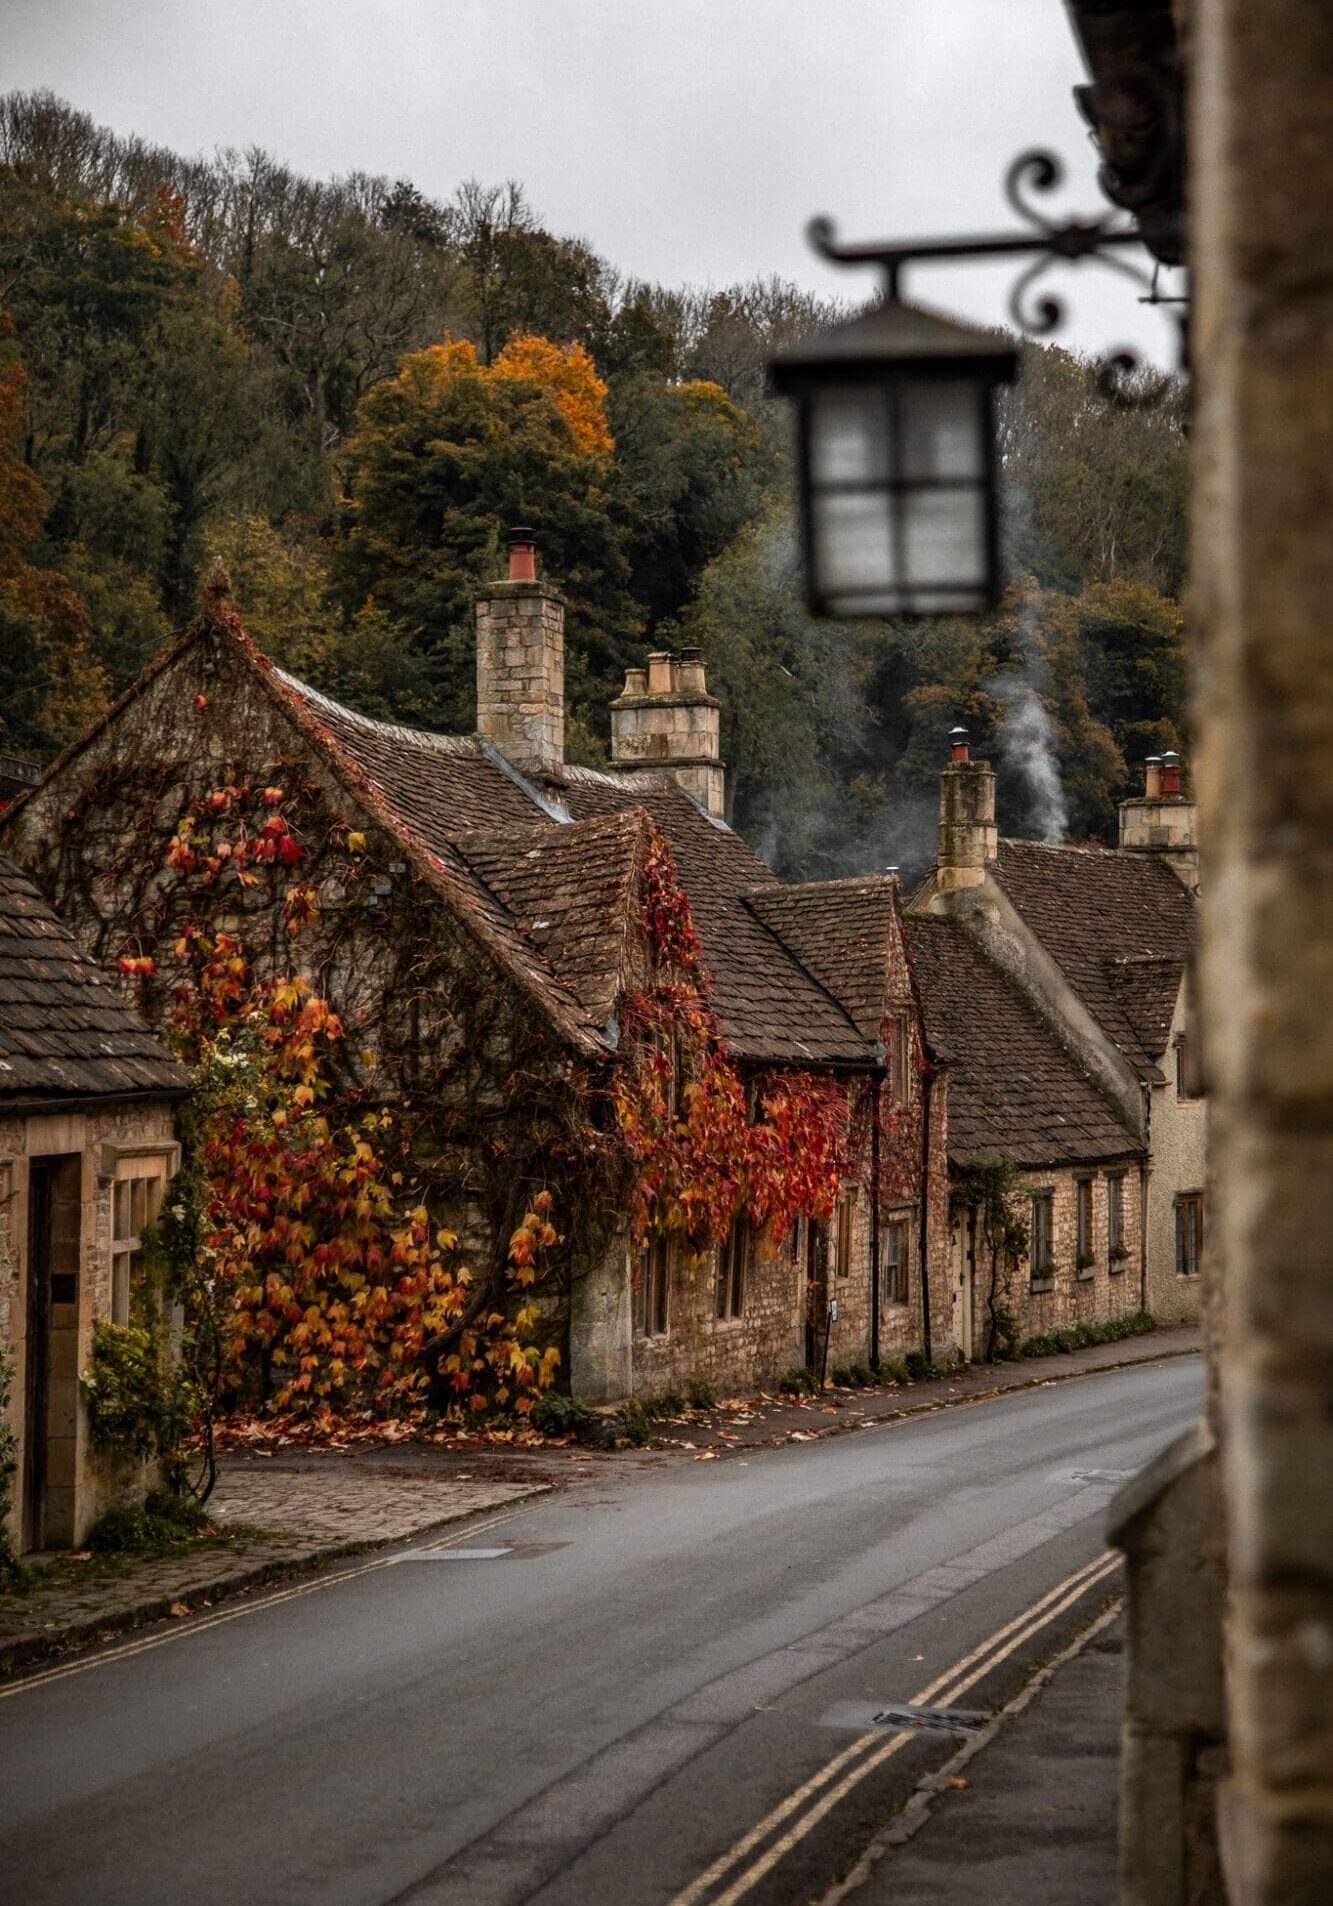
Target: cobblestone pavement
(342, 1500)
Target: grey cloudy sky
(687, 140)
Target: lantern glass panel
(853, 540)
(849, 435)
(944, 537)
(942, 429)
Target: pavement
(669, 1683)
(290, 1511)
(1034, 1805)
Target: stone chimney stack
(666, 720)
(968, 838)
(1161, 819)
(521, 664)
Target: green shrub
(796, 1382)
(893, 1373)
(701, 1397)
(1053, 1343)
(12, 1571)
(161, 1521)
(842, 1376)
(140, 1405)
(555, 1414)
(918, 1368)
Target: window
(1116, 1249)
(1183, 1067)
(896, 1059)
(843, 1213)
(1040, 1259)
(650, 1317)
(1083, 1226)
(1189, 1233)
(731, 1261)
(136, 1199)
(895, 1260)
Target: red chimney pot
(1170, 775)
(958, 750)
(522, 556)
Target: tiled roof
(1094, 908)
(444, 791)
(840, 931)
(65, 1031)
(1147, 987)
(1012, 1087)
(570, 891)
(769, 1007)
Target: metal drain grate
(943, 1720)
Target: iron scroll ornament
(1034, 311)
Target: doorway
(816, 1297)
(50, 1411)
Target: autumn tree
(50, 685)
(446, 456)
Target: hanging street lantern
(895, 415)
(895, 435)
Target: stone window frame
(139, 1182)
(897, 1224)
(1188, 1208)
(1115, 1223)
(1041, 1272)
(652, 1298)
(732, 1259)
(1085, 1226)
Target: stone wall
(80, 1485)
(1262, 559)
(1092, 1294)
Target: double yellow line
(809, 1803)
(159, 1638)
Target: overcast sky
(687, 140)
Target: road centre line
(857, 1761)
(143, 1643)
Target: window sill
(1118, 1270)
(1086, 1276)
(1040, 1285)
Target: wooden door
(37, 1364)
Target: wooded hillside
(348, 391)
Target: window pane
(944, 536)
(138, 1205)
(942, 429)
(121, 1225)
(853, 543)
(849, 436)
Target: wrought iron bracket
(1049, 242)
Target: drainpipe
(923, 1228)
(874, 1226)
(1143, 1197)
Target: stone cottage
(87, 1148)
(488, 921)
(1098, 942)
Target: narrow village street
(657, 1687)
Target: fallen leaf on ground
(180, 1608)
(706, 1456)
(955, 1780)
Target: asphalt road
(664, 1692)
